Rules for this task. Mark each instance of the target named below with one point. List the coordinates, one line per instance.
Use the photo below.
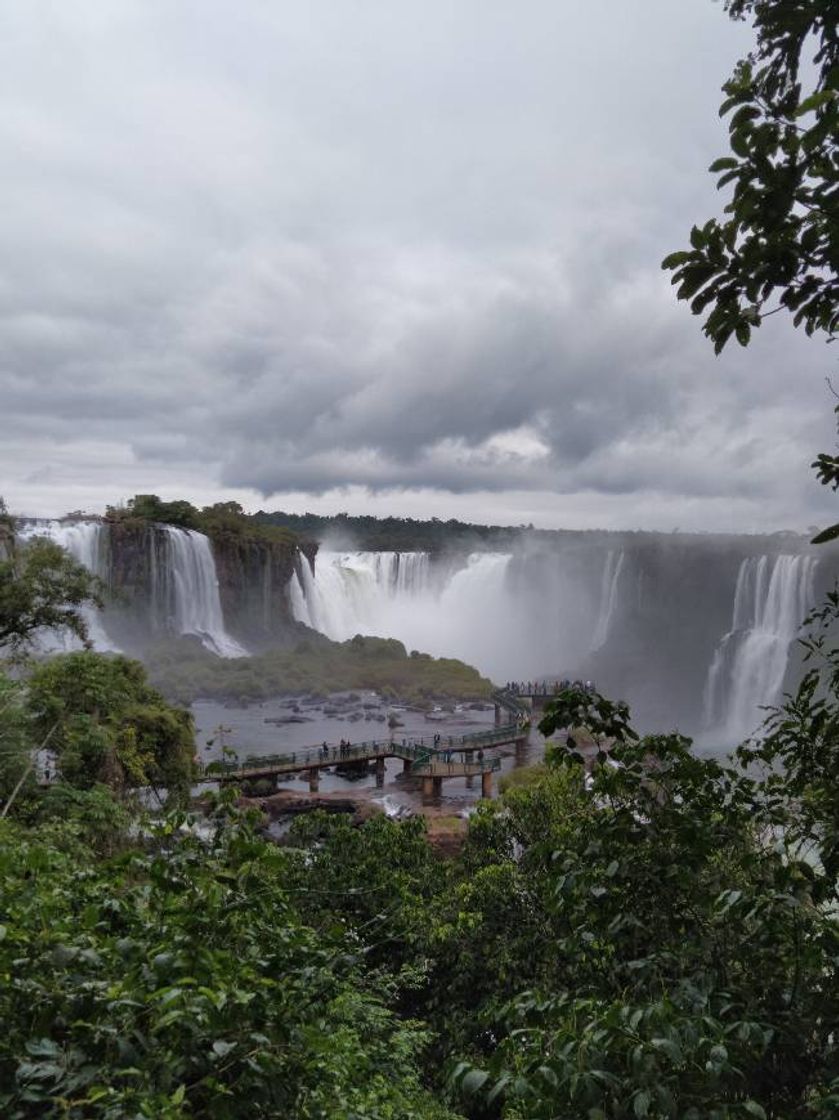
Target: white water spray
(749, 665)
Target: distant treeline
(227, 520)
(406, 534)
(399, 534)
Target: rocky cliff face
(252, 573)
(253, 578)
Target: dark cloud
(394, 253)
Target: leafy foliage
(42, 588)
(109, 725)
(663, 903)
(223, 520)
(780, 237)
(181, 982)
(778, 247)
(15, 736)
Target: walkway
(423, 758)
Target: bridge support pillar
(380, 772)
(521, 750)
(428, 787)
(486, 785)
(497, 715)
(437, 786)
(406, 765)
(314, 775)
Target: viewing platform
(431, 761)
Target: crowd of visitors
(547, 688)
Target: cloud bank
(391, 257)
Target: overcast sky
(389, 256)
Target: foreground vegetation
(185, 671)
(664, 944)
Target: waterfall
(357, 592)
(191, 591)
(454, 612)
(87, 543)
(749, 665)
(608, 597)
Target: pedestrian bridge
(423, 758)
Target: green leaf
(641, 1104)
(829, 534)
(754, 1109)
(815, 101)
(669, 1047)
(474, 1080)
(724, 164)
(673, 260)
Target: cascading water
(190, 591)
(749, 665)
(87, 543)
(358, 592)
(182, 582)
(401, 595)
(608, 597)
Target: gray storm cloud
(297, 248)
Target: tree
(689, 943)
(180, 981)
(778, 246)
(41, 588)
(780, 238)
(149, 507)
(111, 726)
